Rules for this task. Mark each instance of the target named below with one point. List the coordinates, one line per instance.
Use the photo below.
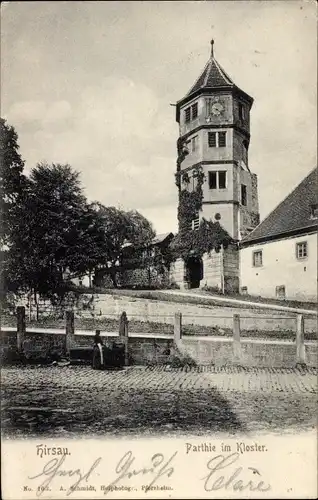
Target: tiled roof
(212, 76)
(293, 214)
(160, 238)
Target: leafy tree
(12, 180)
(121, 227)
(51, 236)
(139, 230)
(50, 233)
(13, 190)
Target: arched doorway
(194, 271)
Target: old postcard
(159, 219)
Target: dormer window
(314, 211)
(187, 113)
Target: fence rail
(177, 333)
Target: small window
(208, 107)
(217, 139)
(187, 115)
(280, 292)
(194, 109)
(243, 195)
(212, 180)
(212, 139)
(241, 111)
(314, 211)
(258, 258)
(301, 250)
(196, 223)
(222, 139)
(222, 180)
(194, 143)
(217, 180)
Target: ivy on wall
(209, 235)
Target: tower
(217, 189)
(214, 126)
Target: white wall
(83, 281)
(281, 267)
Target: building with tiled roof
(279, 257)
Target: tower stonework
(214, 130)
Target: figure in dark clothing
(98, 338)
(98, 355)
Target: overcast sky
(90, 84)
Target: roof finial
(212, 50)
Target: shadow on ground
(104, 413)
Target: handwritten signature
(213, 481)
(220, 476)
(158, 466)
(53, 469)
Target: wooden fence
(123, 334)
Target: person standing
(98, 355)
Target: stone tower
(214, 135)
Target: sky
(91, 83)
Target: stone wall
(201, 350)
(177, 273)
(137, 278)
(231, 262)
(163, 312)
(212, 270)
(219, 352)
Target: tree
(120, 227)
(51, 236)
(13, 189)
(50, 232)
(12, 180)
(139, 230)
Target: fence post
(126, 345)
(177, 331)
(123, 332)
(69, 330)
(300, 340)
(237, 348)
(20, 327)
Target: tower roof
(212, 76)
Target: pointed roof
(292, 215)
(212, 76)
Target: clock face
(217, 109)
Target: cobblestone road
(79, 400)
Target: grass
(208, 302)
(262, 300)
